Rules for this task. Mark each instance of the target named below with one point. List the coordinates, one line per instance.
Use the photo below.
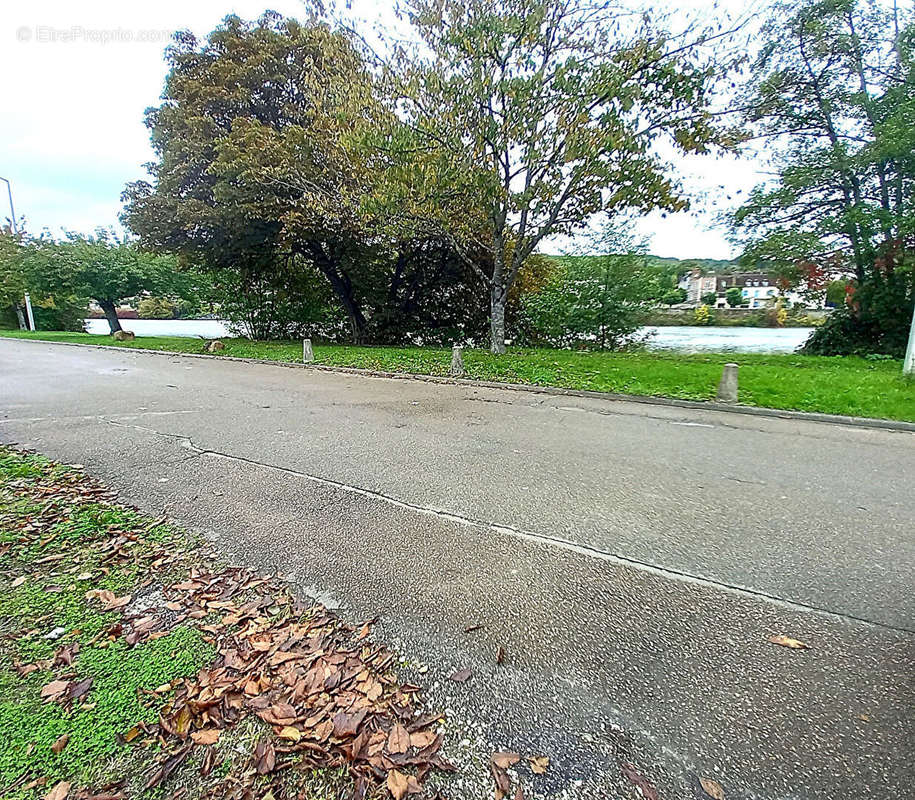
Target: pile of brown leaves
(327, 693)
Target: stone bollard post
(308, 355)
(727, 386)
(457, 362)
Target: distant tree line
(311, 185)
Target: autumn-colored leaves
(316, 692)
(326, 692)
(499, 765)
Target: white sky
(71, 116)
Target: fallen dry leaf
(206, 736)
(291, 733)
(503, 784)
(712, 788)
(500, 655)
(167, 767)
(462, 675)
(59, 792)
(398, 740)
(77, 690)
(397, 784)
(645, 786)
(19, 581)
(787, 641)
(132, 734)
(264, 757)
(60, 744)
(54, 689)
(505, 760)
(539, 764)
(421, 739)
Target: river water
(675, 337)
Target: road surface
(631, 560)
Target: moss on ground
(56, 548)
(72, 564)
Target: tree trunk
(111, 314)
(20, 315)
(342, 286)
(497, 319)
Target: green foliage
(103, 267)
(876, 320)
(275, 173)
(674, 296)
(734, 297)
(30, 610)
(834, 89)
(836, 293)
(13, 280)
(54, 307)
(709, 299)
(156, 308)
(703, 316)
(300, 307)
(595, 301)
(547, 111)
(118, 674)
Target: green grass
(47, 608)
(59, 538)
(832, 385)
(28, 726)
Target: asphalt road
(632, 560)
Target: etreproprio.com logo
(74, 34)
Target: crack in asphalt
(520, 533)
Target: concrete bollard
(307, 353)
(457, 362)
(727, 386)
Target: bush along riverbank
(860, 387)
(737, 318)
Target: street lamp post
(908, 365)
(28, 300)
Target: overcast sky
(71, 119)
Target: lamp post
(908, 365)
(28, 300)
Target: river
(675, 337)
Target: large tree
(253, 172)
(833, 95)
(272, 165)
(551, 111)
(102, 267)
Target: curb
(669, 402)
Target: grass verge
(133, 665)
(856, 387)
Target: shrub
(876, 320)
(156, 308)
(674, 296)
(703, 316)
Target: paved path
(632, 560)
